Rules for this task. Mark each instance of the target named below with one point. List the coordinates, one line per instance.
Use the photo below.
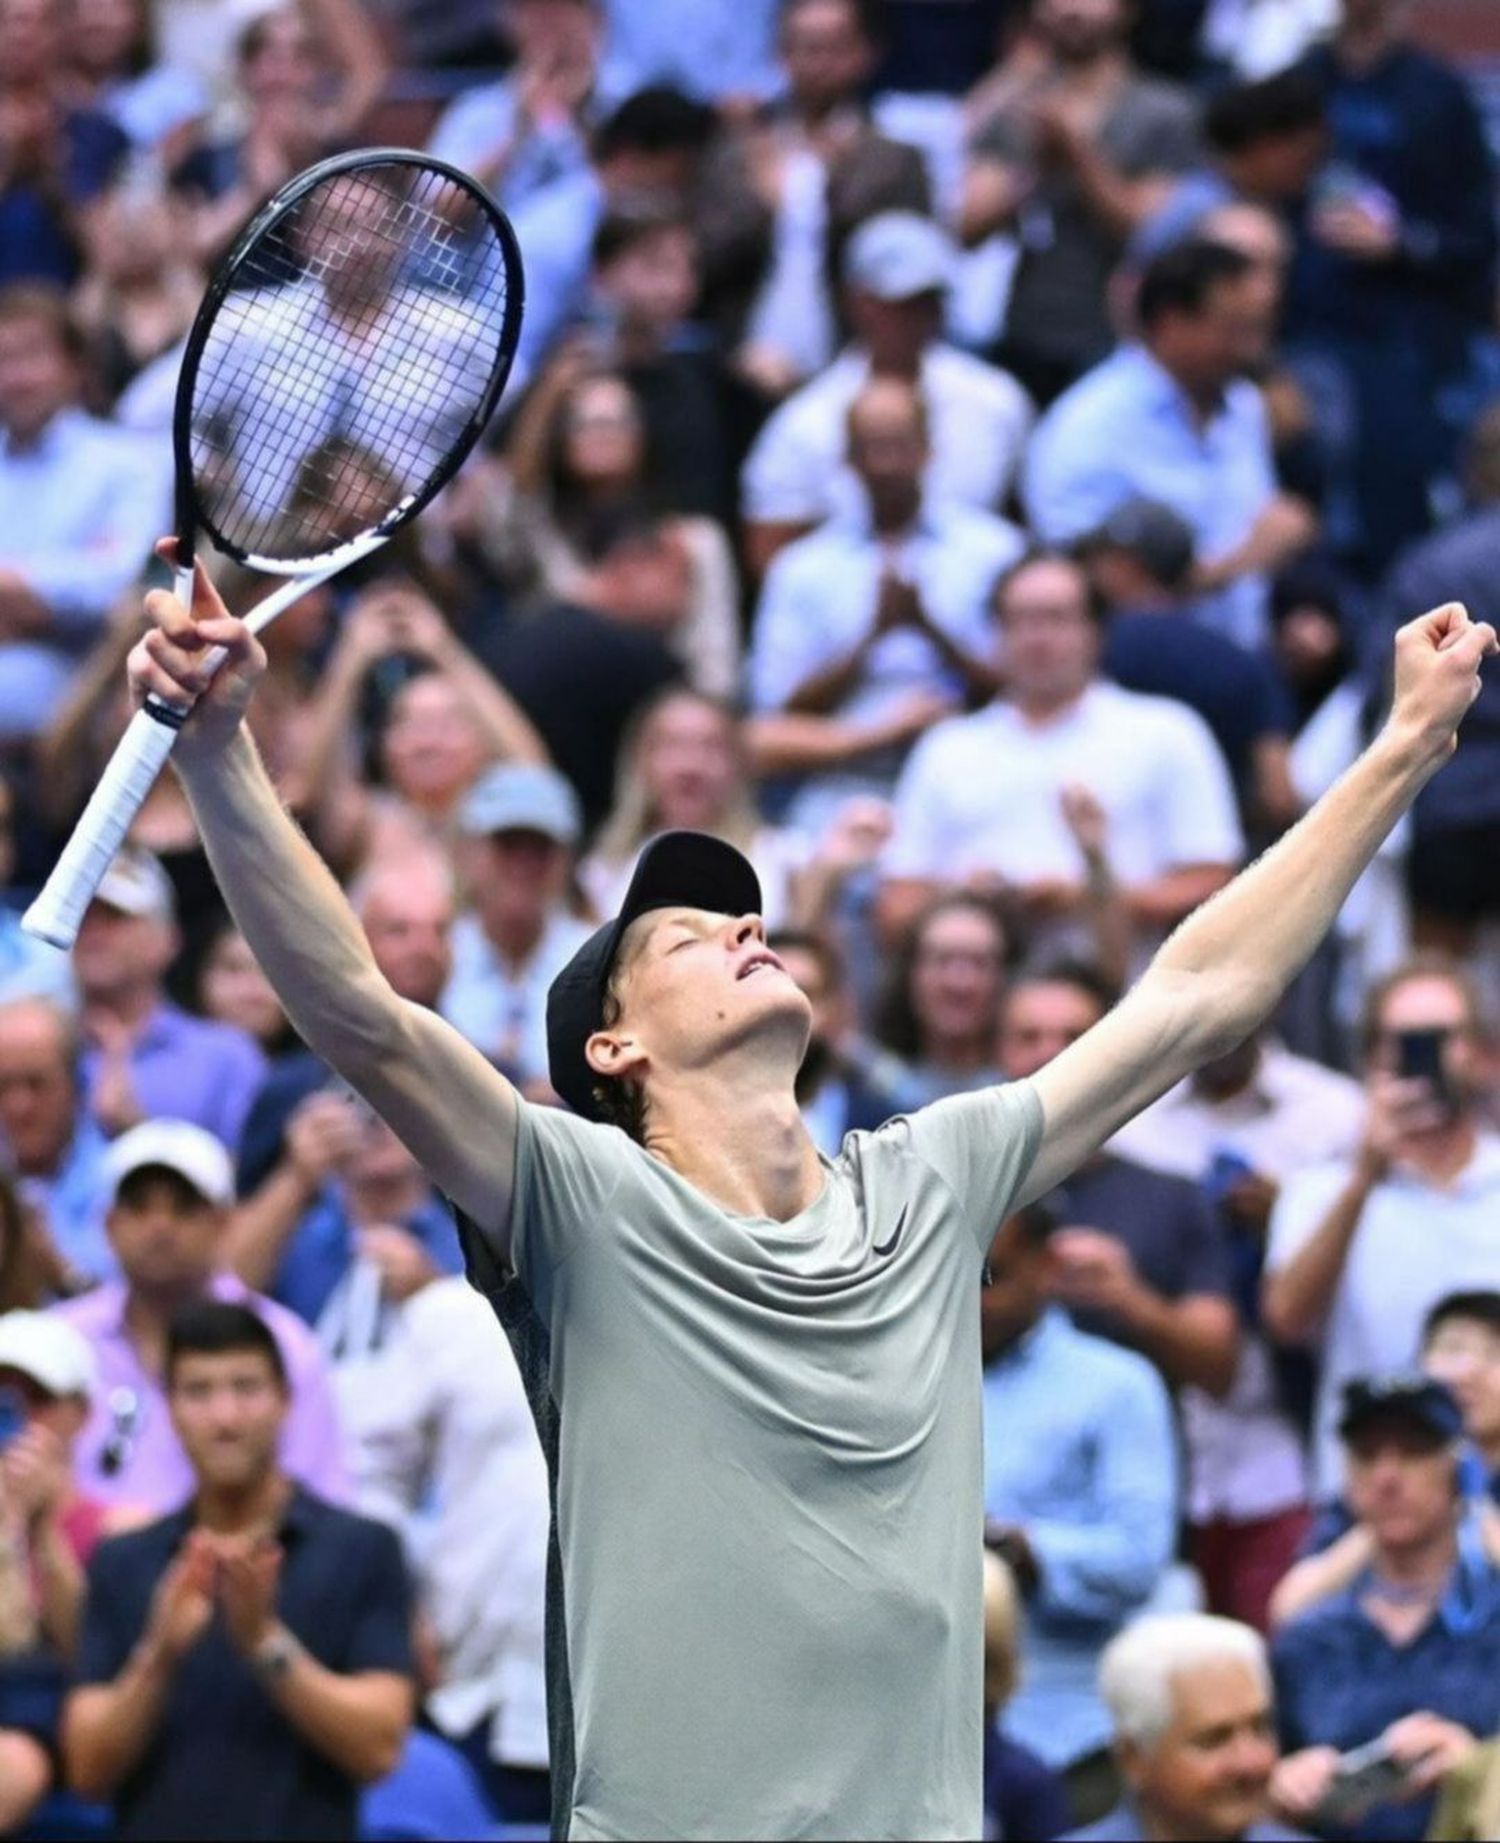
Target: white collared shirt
(978, 421)
(1414, 1243)
(445, 1449)
(503, 1010)
(820, 599)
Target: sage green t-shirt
(766, 1447)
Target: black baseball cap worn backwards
(678, 870)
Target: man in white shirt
(520, 825)
(445, 1449)
(896, 271)
(1361, 1248)
(874, 626)
(80, 504)
(1244, 1126)
(981, 797)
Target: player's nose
(746, 928)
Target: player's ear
(613, 1053)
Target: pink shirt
(129, 1452)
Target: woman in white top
(683, 765)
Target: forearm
(61, 1581)
(1191, 1341)
(783, 742)
(107, 1727)
(1250, 940)
(358, 1723)
(1295, 1299)
(262, 1225)
(1317, 1576)
(290, 910)
(823, 691)
(507, 728)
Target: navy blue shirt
(224, 1761)
(1022, 1796)
(1340, 1682)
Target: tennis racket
(346, 358)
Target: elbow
(1281, 1315)
(380, 1751)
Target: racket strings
(360, 337)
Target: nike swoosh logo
(889, 1247)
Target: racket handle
(134, 766)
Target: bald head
(38, 1086)
(406, 909)
(888, 448)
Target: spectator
(246, 1661)
(719, 50)
(1396, 274)
(1021, 1797)
(368, 1237)
(1242, 1127)
(1190, 1698)
(833, 1089)
(444, 722)
(1258, 38)
(1461, 1351)
(1072, 159)
(233, 990)
(406, 910)
(29, 968)
(941, 1008)
(308, 75)
(684, 767)
(1173, 418)
(80, 504)
(817, 167)
(530, 127)
(447, 1451)
(51, 1142)
(1139, 1258)
(652, 146)
(1410, 1653)
(1451, 872)
(171, 1187)
(896, 269)
(54, 156)
(1140, 562)
(521, 827)
(989, 794)
(144, 1057)
(1080, 1493)
(142, 287)
(1361, 1248)
(112, 66)
(1265, 141)
(579, 465)
(871, 628)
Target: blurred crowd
(974, 455)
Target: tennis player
(755, 1370)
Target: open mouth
(759, 963)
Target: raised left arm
(1224, 969)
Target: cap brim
(679, 870)
(1395, 1414)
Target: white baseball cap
(174, 1145)
(136, 884)
(898, 255)
(53, 1353)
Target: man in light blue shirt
(81, 503)
(1175, 419)
(711, 49)
(877, 623)
(1080, 1488)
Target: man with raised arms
(755, 1370)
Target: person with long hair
(576, 471)
(683, 766)
(939, 1017)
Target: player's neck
(742, 1142)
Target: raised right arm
(454, 1111)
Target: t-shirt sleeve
(567, 1173)
(381, 1638)
(982, 1146)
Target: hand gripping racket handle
(132, 769)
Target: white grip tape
(122, 789)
